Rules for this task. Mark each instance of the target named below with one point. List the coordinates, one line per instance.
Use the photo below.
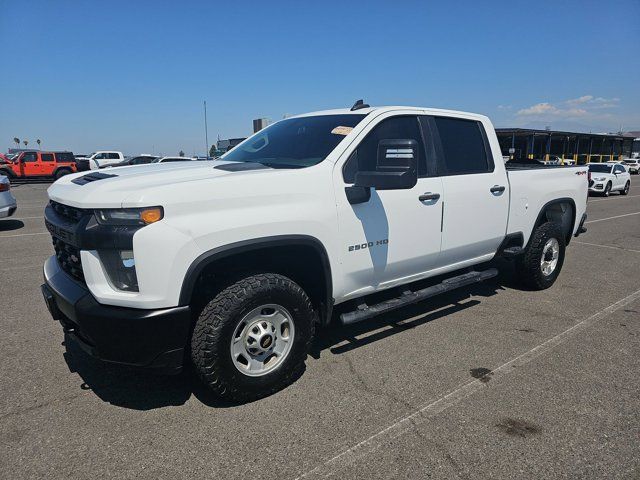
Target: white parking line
(409, 422)
(24, 234)
(612, 247)
(611, 218)
(621, 197)
(26, 218)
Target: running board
(365, 311)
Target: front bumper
(7, 211)
(150, 339)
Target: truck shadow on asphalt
(10, 225)
(127, 388)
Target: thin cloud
(586, 106)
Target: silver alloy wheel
(262, 340)
(550, 254)
(626, 188)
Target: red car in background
(38, 164)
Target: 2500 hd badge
(364, 246)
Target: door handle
(497, 188)
(429, 196)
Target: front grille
(70, 213)
(68, 258)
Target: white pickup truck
(100, 159)
(232, 264)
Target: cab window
(463, 145)
(46, 157)
(30, 157)
(364, 158)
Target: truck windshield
(599, 168)
(295, 142)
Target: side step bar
(365, 311)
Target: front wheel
(625, 190)
(252, 338)
(607, 189)
(542, 261)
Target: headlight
(599, 179)
(129, 216)
(120, 266)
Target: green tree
(26, 142)
(181, 153)
(212, 151)
(16, 140)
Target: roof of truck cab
(384, 109)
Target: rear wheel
(61, 173)
(625, 190)
(252, 338)
(542, 261)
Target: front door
(476, 209)
(30, 164)
(393, 236)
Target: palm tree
(38, 142)
(26, 142)
(16, 140)
(181, 153)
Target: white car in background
(101, 159)
(633, 165)
(8, 204)
(609, 177)
(173, 159)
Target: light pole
(206, 132)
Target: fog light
(120, 266)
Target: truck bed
(532, 186)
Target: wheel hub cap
(550, 254)
(262, 340)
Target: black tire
(216, 324)
(6, 173)
(607, 189)
(625, 190)
(529, 264)
(61, 173)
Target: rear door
(476, 191)
(48, 164)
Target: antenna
(359, 104)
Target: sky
(133, 75)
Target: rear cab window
(47, 157)
(464, 148)
(65, 157)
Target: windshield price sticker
(341, 130)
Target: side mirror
(396, 167)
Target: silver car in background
(8, 204)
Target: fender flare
(543, 210)
(207, 258)
(57, 169)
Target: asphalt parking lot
(487, 382)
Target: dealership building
(526, 143)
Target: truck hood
(128, 186)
